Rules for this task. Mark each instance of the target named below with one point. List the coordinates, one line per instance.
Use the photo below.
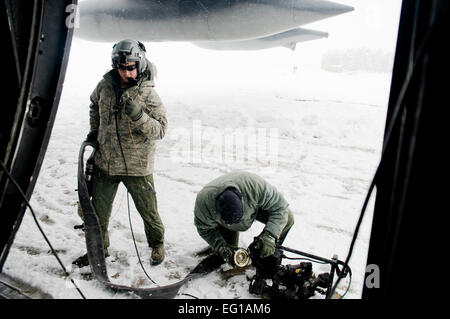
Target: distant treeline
(361, 59)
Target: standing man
(231, 203)
(126, 118)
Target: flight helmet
(129, 51)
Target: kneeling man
(231, 203)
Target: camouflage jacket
(259, 198)
(137, 138)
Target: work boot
(157, 255)
(83, 261)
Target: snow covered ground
(315, 135)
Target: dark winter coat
(137, 137)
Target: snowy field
(315, 135)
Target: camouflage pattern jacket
(138, 137)
(259, 198)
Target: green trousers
(232, 237)
(141, 189)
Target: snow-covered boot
(158, 254)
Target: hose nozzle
(241, 257)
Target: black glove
(227, 253)
(132, 109)
(92, 138)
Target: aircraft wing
(199, 21)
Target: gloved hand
(227, 253)
(268, 244)
(132, 109)
(92, 138)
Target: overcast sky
(373, 24)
